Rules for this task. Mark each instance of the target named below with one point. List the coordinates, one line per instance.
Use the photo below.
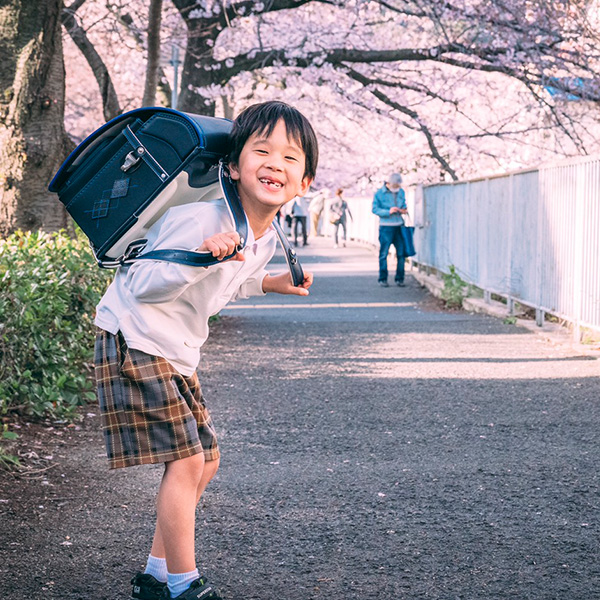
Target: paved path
(374, 447)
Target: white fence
(531, 237)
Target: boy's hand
(282, 284)
(222, 245)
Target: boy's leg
(176, 513)
(208, 472)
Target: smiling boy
(153, 320)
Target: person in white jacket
(315, 209)
(153, 321)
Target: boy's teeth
(269, 182)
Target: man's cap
(394, 178)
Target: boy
(153, 321)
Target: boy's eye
(261, 151)
(291, 158)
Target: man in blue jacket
(389, 204)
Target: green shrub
(49, 287)
(455, 289)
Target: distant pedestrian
(299, 216)
(389, 204)
(315, 209)
(338, 213)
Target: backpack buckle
(133, 250)
(130, 161)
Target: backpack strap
(290, 255)
(206, 259)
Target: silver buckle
(130, 161)
(133, 250)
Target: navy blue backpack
(123, 177)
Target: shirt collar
(253, 244)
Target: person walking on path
(299, 215)
(338, 213)
(389, 204)
(315, 209)
(153, 320)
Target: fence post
(539, 314)
(509, 237)
(578, 254)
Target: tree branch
(125, 20)
(413, 115)
(110, 101)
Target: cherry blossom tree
(413, 59)
(444, 88)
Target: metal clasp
(130, 161)
(134, 249)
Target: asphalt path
(374, 446)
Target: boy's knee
(211, 467)
(190, 468)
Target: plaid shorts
(150, 412)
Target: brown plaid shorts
(150, 412)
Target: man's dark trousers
(302, 222)
(391, 235)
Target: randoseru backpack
(124, 176)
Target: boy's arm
(282, 284)
(155, 282)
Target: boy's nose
(274, 163)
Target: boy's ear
(234, 171)
(304, 185)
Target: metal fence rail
(531, 237)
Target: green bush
(49, 287)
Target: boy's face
(270, 170)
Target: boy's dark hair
(262, 118)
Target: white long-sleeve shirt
(163, 308)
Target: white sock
(157, 567)
(180, 582)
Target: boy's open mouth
(271, 182)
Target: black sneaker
(383, 283)
(146, 587)
(400, 284)
(199, 590)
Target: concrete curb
(551, 332)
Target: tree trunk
(163, 90)
(33, 141)
(195, 77)
(154, 18)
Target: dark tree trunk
(163, 90)
(154, 19)
(33, 141)
(196, 74)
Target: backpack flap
(124, 176)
